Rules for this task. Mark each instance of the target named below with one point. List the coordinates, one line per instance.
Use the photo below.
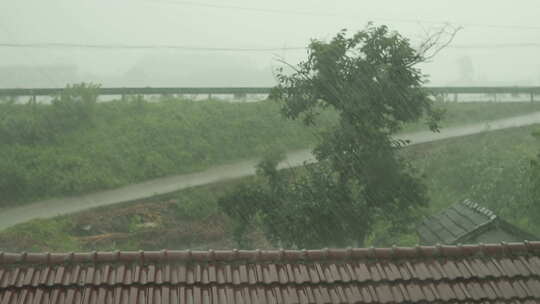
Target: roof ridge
(479, 209)
(255, 256)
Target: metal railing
(122, 91)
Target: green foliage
(76, 145)
(194, 203)
(33, 123)
(22, 124)
(243, 204)
(456, 114)
(134, 223)
(532, 198)
(40, 235)
(384, 236)
(75, 106)
(492, 169)
(370, 80)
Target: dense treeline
(77, 145)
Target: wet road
(54, 207)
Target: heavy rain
(171, 151)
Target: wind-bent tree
(529, 193)
(372, 81)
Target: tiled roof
(503, 273)
(455, 224)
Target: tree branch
(434, 43)
(282, 61)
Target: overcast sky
(258, 24)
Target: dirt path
(50, 208)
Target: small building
(498, 273)
(468, 223)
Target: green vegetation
(187, 219)
(371, 81)
(458, 114)
(349, 99)
(77, 146)
(41, 235)
(490, 168)
(493, 169)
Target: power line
(320, 14)
(124, 46)
(495, 46)
(50, 45)
(44, 74)
(243, 8)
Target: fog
(497, 46)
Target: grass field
(490, 168)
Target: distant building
(468, 223)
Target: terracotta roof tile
(502, 273)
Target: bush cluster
(77, 145)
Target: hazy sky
(276, 24)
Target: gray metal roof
(454, 223)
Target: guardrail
(484, 90)
(532, 91)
